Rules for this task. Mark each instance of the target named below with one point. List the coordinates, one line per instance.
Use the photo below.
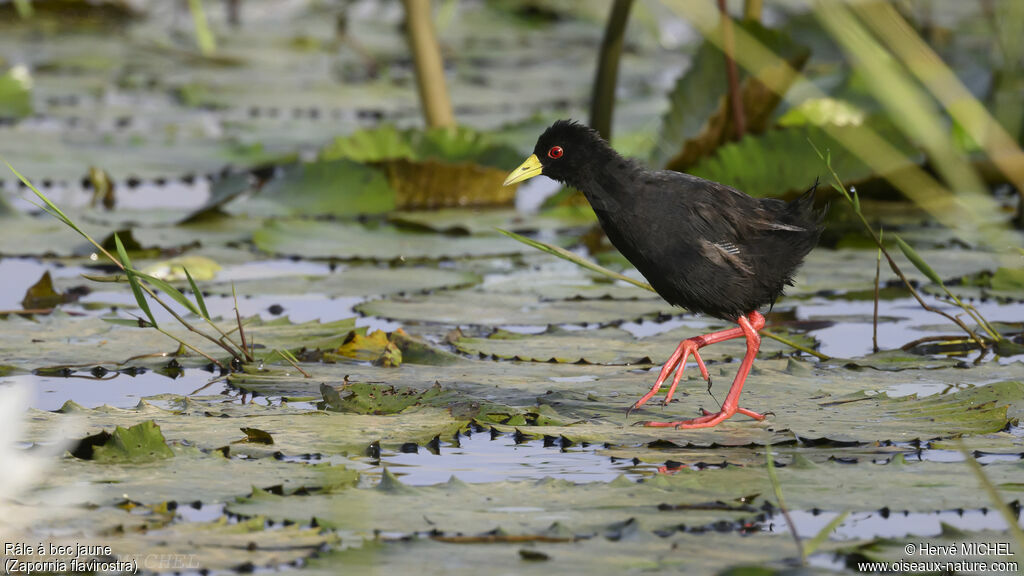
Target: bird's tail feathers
(804, 205)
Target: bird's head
(563, 151)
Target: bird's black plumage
(702, 245)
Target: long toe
(712, 421)
(744, 411)
(684, 423)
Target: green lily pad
(211, 425)
(15, 93)
(951, 546)
(607, 345)
(48, 237)
(455, 508)
(43, 295)
(450, 145)
(370, 398)
(846, 269)
(484, 308)
(201, 268)
(897, 360)
(139, 443)
(193, 475)
(465, 221)
(638, 552)
(335, 188)
(342, 241)
(220, 545)
(815, 403)
(351, 281)
(59, 339)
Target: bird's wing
(751, 216)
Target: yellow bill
(526, 170)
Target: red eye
(555, 152)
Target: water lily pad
(456, 509)
(49, 237)
(200, 268)
(450, 145)
(817, 404)
(214, 425)
(335, 188)
(837, 270)
(640, 551)
(951, 545)
(15, 93)
(370, 398)
(465, 221)
(43, 295)
(607, 345)
(220, 545)
(342, 241)
(139, 443)
(59, 339)
(194, 475)
(433, 168)
(482, 308)
(351, 281)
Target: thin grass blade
(204, 36)
(811, 545)
(115, 278)
(50, 206)
(576, 259)
(917, 260)
(59, 214)
(133, 322)
(133, 280)
(198, 294)
(171, 291)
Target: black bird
(702, 245)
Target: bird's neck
(608, 181)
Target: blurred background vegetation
(917, 98)
(915, 101)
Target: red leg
(748, 327)
(677, 361)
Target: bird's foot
(676, 363)
(755, 415)
(709, 419)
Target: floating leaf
(483, 308)
(43, 295)
(139, 443)
(1008, 279)
(370, 398)
(174, 269)
(438, 167)
(337, 188)
(345, 241)
(447, 145)
(16, 93)
(59, 339)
